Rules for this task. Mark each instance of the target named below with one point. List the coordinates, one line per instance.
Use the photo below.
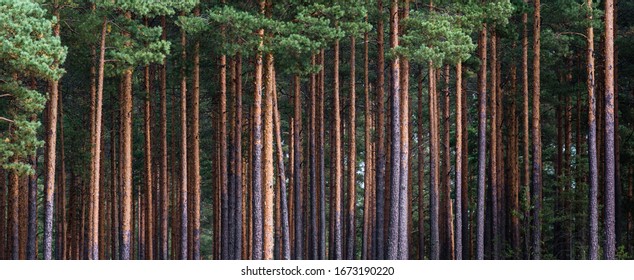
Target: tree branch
(6, 120)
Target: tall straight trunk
(395, 150)
(114, 178)
(126, 160)
(404, 192)
(495, 224)
(183, 191)
(103, 207)
(291, 199)
(352, 160)
(174, 169)
(245, 213)
(525, 141)
(147, 123)
(93, 104)
(126, 164)
(49, 157)
(434, 173)
(195, 150)
(500, 150)
(268, 178)
(379, 240)
(286, 243)
(14, 225)
(592, 143)
(514, 203)
(32, 211)
(459, 152)
(257, 150)
(467, 227)
(163, 175)
(482, 128)
(23, 215)
(96, 150)
(140, 229)
(536, 190)
(3, 217)
(297, 170)
(231, 187)
(238, 159)
(368, 179)
(224, 185)
(60, 198)
(338, 176)
(312, 162)
(421, 171)
(321, 160)
(448, 206)
(609, 197)
(216, 190)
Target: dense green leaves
(28, 52)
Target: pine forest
(314, 130)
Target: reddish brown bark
(536, 190)
(609, 249)
(257, 149)
(268, 178)
(379, 240)
(352, 158)
(482, 86)
(593, 252)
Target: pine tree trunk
(297, 170)
(421, 171)
(610, 239)
(379, 240)
(404, 228)
(536, 190)
(514, 168)
(286, 248)
(147, 120)
(321, 160)
(467, 229)
(224, 184)
(164, 179)
(368, 179)
(257, 150)
(14, 226)
(592, 144)
(95, 177)
(526, 155)
(126, 160)
(195, 150)
(500, 151)
(231, 189)
(126, 166)
(3, 217)
(352, 160)
(32, 211)
(115, 182)
(338, 176)
(446, 175)
(50, 152)
(312, 162)
(395, 150)
(495, 224)
(238, 160)
(482, 85)
(268, 160)
(183, 191)
(459, 153)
